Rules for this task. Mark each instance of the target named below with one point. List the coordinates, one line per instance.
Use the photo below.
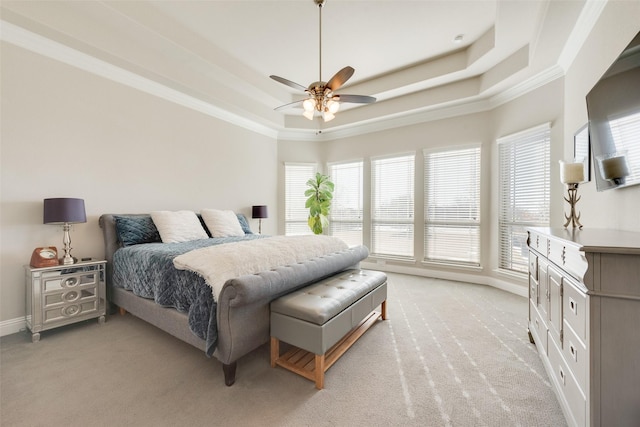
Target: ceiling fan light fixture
(309, 105)
(333, 106)
(327, 116)
(308, 114)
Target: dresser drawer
(538, 242)
(538, 326)
(575, 355)
(568, 387)
(574, 309)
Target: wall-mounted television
(613, 107)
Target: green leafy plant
(320, 194)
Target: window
(524, 192)
(346, 207)
(296, 215)
(452, 206)
(392, 193)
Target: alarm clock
(44, 257)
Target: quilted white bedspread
(217, 264)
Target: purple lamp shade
(61, 210)
(259, 212)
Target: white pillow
(222, 223)
(180, 226)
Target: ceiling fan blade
(358, 99)
(293, 104)
(288, 83)
(340, 78)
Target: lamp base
(573, 219)
(67, 259)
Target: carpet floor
(451, 354)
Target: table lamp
(259, 212)
(572, 174)
(65, 211)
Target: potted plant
(319, 195)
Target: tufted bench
(324, 319)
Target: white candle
(614, 167)
(571, 173)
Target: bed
(141, 280)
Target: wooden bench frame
(313, 366)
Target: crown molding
(584, 25)
(33, 42)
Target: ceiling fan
(321, 94)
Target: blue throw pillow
(244, 223)
(134, 230)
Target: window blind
(296, 216)
(345, 218)
(392, 200)
(524, 192)
(452, 206)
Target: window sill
(473, 268)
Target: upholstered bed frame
(242, 307)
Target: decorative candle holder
(573, 219)
(572, 174)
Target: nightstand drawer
(56, 280)
(70, 296)
(71, 311)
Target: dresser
(584, 318)
(64, 294)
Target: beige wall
(618, 24)
(68, 133)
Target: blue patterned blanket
(147, 270)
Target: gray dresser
(584, 317)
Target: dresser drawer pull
(562, 376)
(573, 306)
(573, 351)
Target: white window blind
(392, 217)
(524, 192)
(296, 216)
(624, 131)
(452, 206)
(345, 218)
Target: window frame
(512, 222)
(472, 224)
(408, 224)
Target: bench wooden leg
(275, 351)
(319, 371)
(122, 311)
(383, 308)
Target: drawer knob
(71, 310)
(70, 282)
(562, 376)
(71, 295)
(573, 306)
(572, 349)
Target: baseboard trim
(514, 288)
(12, 326)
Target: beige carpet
(451, 354)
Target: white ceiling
(221, 53)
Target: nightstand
(65, 294)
